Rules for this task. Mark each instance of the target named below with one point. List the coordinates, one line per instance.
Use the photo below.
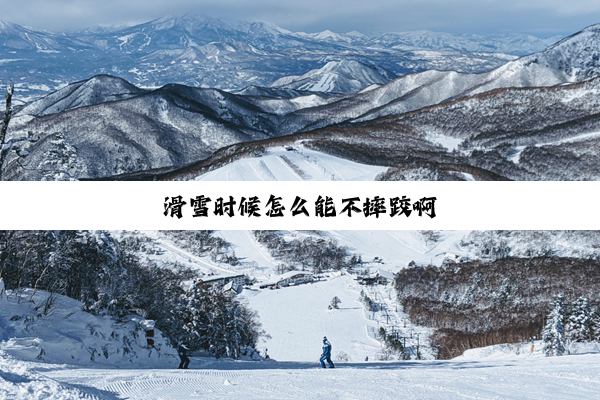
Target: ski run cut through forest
(508, 314)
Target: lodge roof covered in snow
(291, 275)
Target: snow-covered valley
(51, 348)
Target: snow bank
(19, 382)
(60, 332)
(522, 350)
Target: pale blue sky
(538, 17)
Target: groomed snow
(568, 377)
(301, 164)
(298, 317)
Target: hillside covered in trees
(109, 278)
(481, 303)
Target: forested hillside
(481, 303)
(108, 277)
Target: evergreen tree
(335, 303)
(577, 328)
(60, 161)
(553, 334)
(391, 342)
(595, 324)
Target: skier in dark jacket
(326, 354)
(185, 361)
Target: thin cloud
(455, 16)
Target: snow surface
(300, 164)
(398, 248)
(66, 334)
(527, 378)
(248, 249)
(297, 326)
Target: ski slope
(298, 317)
(174, 253)
(299, 164)
(248, 249)
(575, 377)
(396, 248)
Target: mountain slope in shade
(99, 89)
(173, 125)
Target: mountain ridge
(117, 128)
(147, 54)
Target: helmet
(324, 338)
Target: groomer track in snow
(526, 377)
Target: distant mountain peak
(337, 76)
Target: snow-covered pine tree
(595, 323)
(553, 334)
(335, 303)
(194, 317)
(577, 328)
(60, 161)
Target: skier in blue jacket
(326, 354)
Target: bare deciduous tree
(7, 145)
(7, 114)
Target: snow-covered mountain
(89, 114)
(118, 128)
(576, 56)
(17, 37)
(99, 89)
(207, 52)
(136, 129)
(520, 44)
(572, 60)
(176, 32)
(337, 77)
(549, 133)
